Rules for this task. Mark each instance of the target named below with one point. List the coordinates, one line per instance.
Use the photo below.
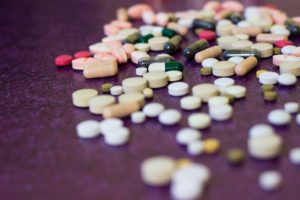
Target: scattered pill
(291, 107)
(235, 156)
(217, 100)
(211, 146)
(221, 112)
(195, 148)
(165, 66)
(138, 117)
(63, 60)
(237, 91)
(260, 130)
(156, 79)
(205, 91)
(174, 75)
(169, 117)
(267, 87)
(209, 62)
(199, 120)
(186, 135)
(268, 78)
(270, 180)
(132, 97)
(157, 43)
(107, 124)
(140, 71)
(134, 84)
(288, 49)
(117, 136)
(290, 67)
(101, 69)
(211, 52)
(121, 110)
(279, 117)
(81, 97)
(294, 156)
(223, 69)
(88, 129)
(190, 103)
(236, 59)
(276, 51)
(265, 49)
(178, 89)
(148, 93)
(246, 66)
(99, 103)
(153, 109)
(194, 48)
(287, 79)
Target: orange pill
(211, 52)
(251, 31)
(136, 11)
(101, 69)
(222, 15)
(246, 66)
(270, 38)
(180, 29)
(121, 110)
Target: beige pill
(251, 30)
(205, 91)
(290, 67)
(223, 68)
(224, 30)
(222, 15)
(246, 66)
(264, 147)
(225, 41)
(244, 44)
(101, 69)
(157, 43)
(270, 38)
(265, 49)
(122, 14)
(121, 110)
(148, 93)
(132, 97)
(265, 24)
(180, 29)
(134, 84)
(81, 97)
(174, 75)
(99, 103)
(156, 79)
(211, 52)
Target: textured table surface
(42, 158)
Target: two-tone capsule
(145, 62)
(194, 48)
(293, 27)
(133, 38)
(241, 53)
(145, 38)
(173, 44)
(168, 32)
(205, 24)
(236, 17)
(165, 66)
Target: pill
(132, 38)
(223, 83)
(237, 91)
(157, 170)
(138, 117)
(236, 59)
(221, 112)
(294, 156)
(236, 17)
(174, 75)
(149, 17)
(270, 180)
(156, 79)
(145, 38)
(211, 145)
(206, 71)
(88, 129)
(251, 31)
(165, 66)
(293, 27)
(241, 53)
(98, 103)
(217, 100)
(132, 97)
(225, 41)
(134, 84)
(279, 59)
(173, 44)
(81, 97)
(63, 60)
(190, 103)
(242, 36)
(194, 48)
(186, 22)
(82, 54)
(235, 156)
(167, 32)
(258, 72)
(180, 29)
(182, 162)
(169, 117)
(270, 95)
(153, 109)
(223, 69)
(207, 35)
(225, 13)
(148, 93)
(117, 136)
(265, 49)
(199, 30)
(99, 48)
(225, 30)
(195, 148)
(205, 91)
(291, 107)
(135, 11)
(260, 130)
(140, 71)
(81, 63)
(105, 87)
(128, 48)
(138, 55)
(209, 62)
(199, 120)
(268, 78)
(283, 43)
(157, 43)
(287, 79)
(223, 22)
(246, 66)
(288, 49)
(290, 67)
(186, 135)
(158, 30)
(298, 119)
(121, 110)
(267, 87)
(270, 38)
(107, 125)
(145, 62)
(142, 47)
(211, 52)
(122, 14)
(178, 89)
(162, 18)
(204, 24)
(101, 69)
(116, 90)
(241, 44)
(279, 117)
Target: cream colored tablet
(243, 44)
(142, 47)
(218, 100)
(225, 41)
(98, 103)
(134, 84)
(290, 67)
(242, 36)
(157, 43)
(223, 68)
(265, 147)
(127, 31)
(156, 79)
(265, 49)
(199, 120)
(265, 24)
(190, 103)
(81, 97)
(237, 91)
(205, 91)
(174, 75)
(132, 96)
(225, 29)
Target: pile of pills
(242, 37)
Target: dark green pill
(205, 24)
(168, 32)
(173, 44)
(194, 48)
(145, 38)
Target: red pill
(82, 54)
(63, 60)
(219, 9)
(207, 35)
(283, 43)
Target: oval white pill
(111, 123)
(138, 117)
(186, 191)
(270, 180)
(187, 135)
(140, 71)
(224, 82)
(279, 117)
(268, 78)
(169, 117)
(209, 62)
(193, 173)
(174, 75)
(178, 89)
(236, 59)
(195, 148)
(117, 136)
(190, 103)
(218, 100)
(260, 130)
(237, 91)
(88, 129)
(116, 90)
(221, 112)
(199, 120)
(153, 109)
(295, 156)
(291, 107)
(288, 49)
(287, 79)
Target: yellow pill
(183, 162)
(148, 93)
(258, 72)
(211, 145)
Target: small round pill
(117, 136)
(270, 95)
(157, 43)
(205, 91)
(138, 117)
(63, 60)
(81, 97)
(267, 87)
(88, 129)
(116, 90)
(291, 107)
(153, 109)
(209, 62)
(287, 49)
(178, 89)
(236, 59)
(82, 54)
(169, 117)
(268, 78)
(235, 156)
(195, 148)
(107, 124)
(237, 91)
(190, 102)
(217, 100)
(287, 79)
(142, 47)
(132, 97)
(224, 82)
(105, 87)
(148, 93)
(199, 120)
(211, 145)
(260, 130)
(221, 112)
(223, 68)
(186, 135)
(134, 84)
(140, 71)
(174, 75)
(270, 180)
(99, 103)
(276, 50)
(295, 156)
(206, 71)
(279, 117)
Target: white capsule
(138, 117)
(88, 129)
(178, 89)
(270, 180)
(287, 79)
(291, 107)
(169, 117)
(209, 62)
(279, 117)
(295, 156)
(186, 135)
(153, 109)
(117, 136)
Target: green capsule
(194, 48)
(145, 38)
(145, 62)
(165, 66)
(173, 44)
(133, 38)
(168, 32)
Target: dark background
(41, 156)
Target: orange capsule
(121, 110)
(182, 30)
(101, 69)
(251, 31)
(245, 66)
(211, 52)
(270, 38)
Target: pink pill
(110, 29)
(162, 19)
(115, 44)
(82, 54)
(137, 55)
(136, 11)
(233, 5)
(80, 63)
(278, 59)
(296, 52)
(211, 5)
(279, 17)
(121, 24)
(120, 54)
(149, 17)
(109, 57)
(63, 60)
(99, 56)
(128, 48)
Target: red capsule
(82, 54)
(63, 60)
(283, 43)
(207, 35)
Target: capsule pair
(165, 66)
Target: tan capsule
(122, 14)
(121, 110)
(182, 30)
(251, 31)
(211, 52)
(222, 15)
(270, 38)
(246, 66)
(101, 69)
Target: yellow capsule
(211, 145)
(183, 162)
(258, 72)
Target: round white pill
(111, 123)
(174, 75)
(268, 78)
(288, 49)
(117, 136)
(178, 89)
(291, 107)
(116, 90)
(221, 112)
(237, 91)
(186, 191)
(140, 71)
(243, 24)
(298, 119)
(195, 148)
(277, 27)
(282, 31)
(88, 129)
(279, 117)
(236, 59)
(153, 109)
(190, 103)
(138, 117)
(218, 100)
(199, 120)
(169, 117)
(242, 36)
(209, 62)
(270, 180)
(295, 156)
(223, 22)
(260, 130)
(224, 82)
(287, 79)
(192, 173)
(187, 135)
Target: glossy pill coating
(211, 52)
(165, 66)
(205, 24)
(121, 110)
(246, 66)
(145, 62)
(241, 53)
(145, 38)
(270, 38)
(194, 48)
(207, 35)
(63, 60)
(82, 54)
(101, 69)
(133, 38)
(173, 44)
(168, 32)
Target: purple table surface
(41, 155)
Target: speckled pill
(270, 95)
(106, 87)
